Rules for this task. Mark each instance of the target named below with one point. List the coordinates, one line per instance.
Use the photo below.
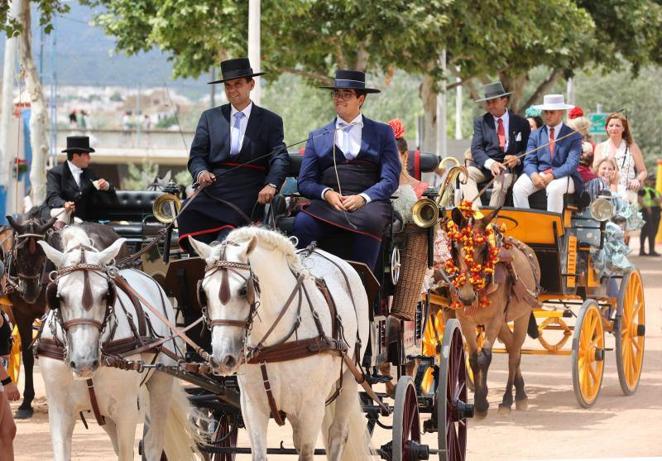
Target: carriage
(578, 304)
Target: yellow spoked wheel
(554, 323)
(630, 332)
(14, 367)
(588, 353)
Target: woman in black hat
(74, 187)
(239, 137)
(350, 169)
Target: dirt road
(554, 427)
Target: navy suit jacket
(566, 155)
(377, 146)
(485, 141)
(264, 134)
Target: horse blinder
(201, 295)
(52, 297)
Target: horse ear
(15, 225)
(47, 225)
(204, 251)
(105, 256)
(51, 253)
(251, 245)
(457, 217)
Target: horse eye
(243, 291)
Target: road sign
(598, 121)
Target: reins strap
(277, 415)
(360, 378)
(122, 284)
(95, 404)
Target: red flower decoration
(397, 127)
(575, 112)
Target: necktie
(501, 133)
(347, 140)
(235, 137)
(552, 142)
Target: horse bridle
(20, 241)
(53, 297)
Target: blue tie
(347, 140)
(235, 145)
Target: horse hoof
(522, 405)
(503, 410)
(479, 414)
(23, 413)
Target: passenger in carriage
(554, 158)
(350, 169)
(499, 136)
(72, 188)
(533, 117)
(239, 137)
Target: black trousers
(650, 228)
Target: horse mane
(272, 240)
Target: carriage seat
(132, 206)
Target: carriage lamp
(602, 209)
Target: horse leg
(126, 421)
(305, 428)
(256, 420)
(111, 430)
(160, 390)
(25, 330)
(506, 336)
(519, 335)
(477, 360)
(61, 420)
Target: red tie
(501, 133)
(552, 142)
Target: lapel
(366, 134)
(68, 177)
(252, 129)
(328, 139)
(491, 124)
(512, 133)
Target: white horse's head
(82, 292)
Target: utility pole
(442, 139)
(9, 70)
(254, 44)
(458, 108)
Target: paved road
(553, 428)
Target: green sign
(598, 122)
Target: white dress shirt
(506, 130)
(242, 124)
(76, 172)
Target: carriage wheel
(452, 409)
(225, 436)
(554, 323)
(14, 365)
(406, 424)
(588, 353)
(630, 333)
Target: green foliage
(167, 122)
(139, 176)
(47, 10)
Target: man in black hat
(239, 155)
(499, 135)
(350, 169)
(72, 189)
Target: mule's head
(469, 248)
(83, 293)
(229, 289)
(30, 259)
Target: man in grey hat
(239, 154)
(499, 136)
(554, 155)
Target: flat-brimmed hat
(492, 91)
(232, 69)
(553, 102)
(78, 144)
(350, 80)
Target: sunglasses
(343, 94)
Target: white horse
(78, 325)
(300, 387)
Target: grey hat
(492, 91)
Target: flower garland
(470, 238)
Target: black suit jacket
(485, 142)
(264, 135)
(61, 187)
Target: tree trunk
(429, 97)
(38, 115)
(515, 84)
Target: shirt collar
(247, 110)
(358, 120)
(73, 168)
(557, 128)
(505, 117)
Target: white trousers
(499, 187)
(555, 191)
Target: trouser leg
(555, 191)
(470, 189)
(365, 249)
(308, 229)
(644, 230)
(499, 189)
(521, 191)
(652, 232)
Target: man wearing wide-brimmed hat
(499, 135)
(72, 188)
(350, 169)
(552, 164)
(239, 155)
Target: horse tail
(181, 438)
(357, 444)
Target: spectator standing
(650, 201)
(8, 391)
(73, 119)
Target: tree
(38, 136)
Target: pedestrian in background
(650, 201)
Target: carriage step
(378, 379)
